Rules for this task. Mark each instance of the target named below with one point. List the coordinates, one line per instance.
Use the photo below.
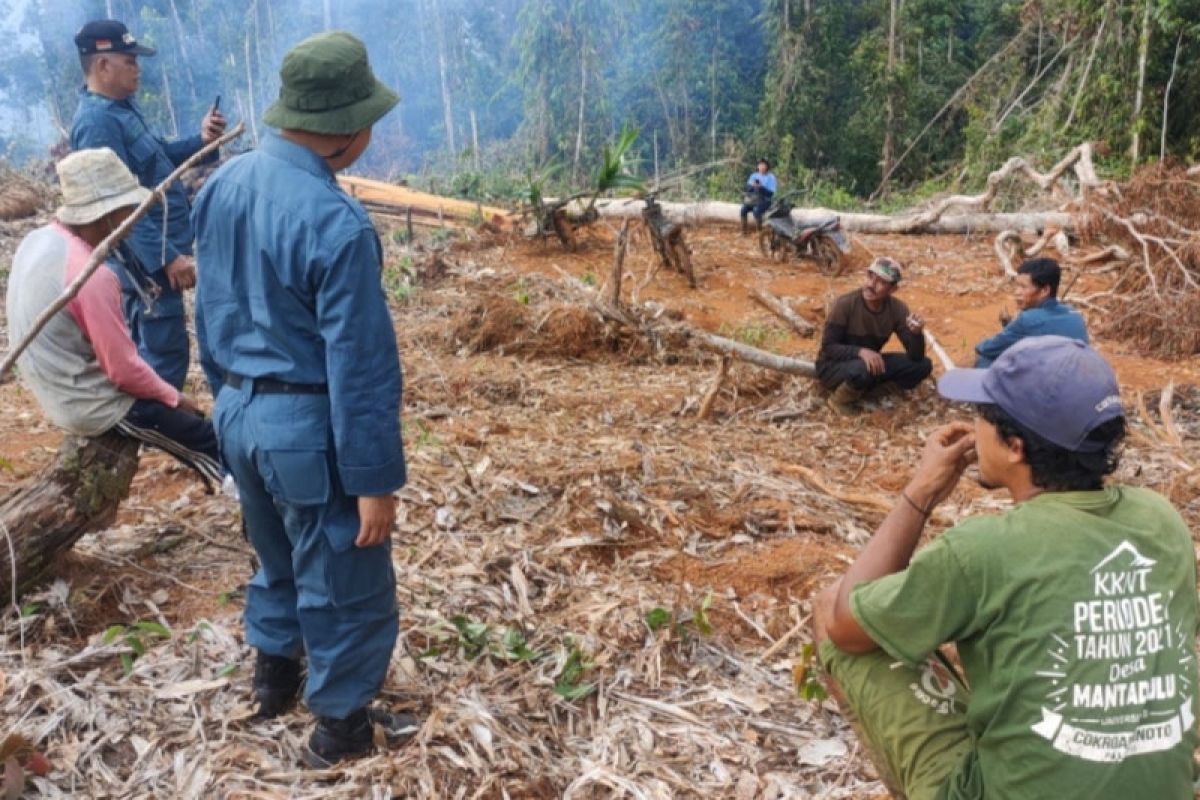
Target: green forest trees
(849, 98)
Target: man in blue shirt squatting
(1039, 312)
(291, 315)
(1074, 612)
(107, 116)
(760, 189)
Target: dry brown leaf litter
(562, 493)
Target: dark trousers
(759, 208)
(898, 369)
(160, 334)
(190, 439)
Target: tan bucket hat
(95, 183)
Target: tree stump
(78, 493)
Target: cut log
(46, 515)
(783, 311)
(751, 355)
(713, 212)
(939, 351)
(971, 211)
(386, 198)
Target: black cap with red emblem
(109, 36)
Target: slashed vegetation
(603, 593)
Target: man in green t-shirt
(1074, 613)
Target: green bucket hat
(328, 87)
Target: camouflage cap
(886, 268)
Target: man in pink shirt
(83, 367)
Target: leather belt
(272, 386)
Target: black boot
(335, 740)
(277, 682)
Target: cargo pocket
(361, 576)
(298, 477)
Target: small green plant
(227, 597)
(589, 279)
(753, 334)
(569, 683)
(477, 639)
(441, 236)
(398, 279)
(700, 616)
(696, 619)
(658, 618)
(806, 676)
(417, 431)
(30, 609)
(135, 637)
(400, 236)
(521, 292)
(473, 637)
(514, 646)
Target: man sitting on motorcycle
(859, 325)
(760, 188)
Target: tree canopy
(846, 97)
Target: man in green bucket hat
(295, 335)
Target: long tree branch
(102, 250)
(1087, 69)
(954, 98)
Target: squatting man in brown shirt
(858, 326)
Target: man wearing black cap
(1074, 613)
(107, 116)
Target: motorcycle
(823, 242)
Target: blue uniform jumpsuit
(292, 322)
(161, 331)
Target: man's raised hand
(949, 450)
(212, 126)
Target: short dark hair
(86, 61)
(1056, 468)
(764, 161)
(1043, 272)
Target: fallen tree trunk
(397, 199)
(716, 212)
(751, 355)
(971, 215)
(785, 312)
(46, 515)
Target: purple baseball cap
(1059, 388)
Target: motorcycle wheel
(828, 256)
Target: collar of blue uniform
(88, 94)
(296, 155)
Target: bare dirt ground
(561, 491)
